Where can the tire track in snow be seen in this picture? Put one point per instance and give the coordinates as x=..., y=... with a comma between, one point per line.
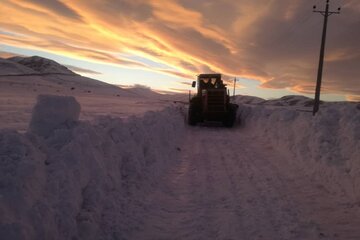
x=227, y=186
x=249, y=188
x=266, y=202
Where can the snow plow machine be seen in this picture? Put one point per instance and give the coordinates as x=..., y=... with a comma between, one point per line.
x=212, y=102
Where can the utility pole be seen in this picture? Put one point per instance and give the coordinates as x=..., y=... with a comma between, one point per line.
x=326, y=14
x=234, y=87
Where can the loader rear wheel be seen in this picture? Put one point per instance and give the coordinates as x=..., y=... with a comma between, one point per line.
x=192, y=116
x=230, y=117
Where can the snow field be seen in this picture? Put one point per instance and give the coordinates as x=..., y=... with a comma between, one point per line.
x=85, y=180
x=326, y=147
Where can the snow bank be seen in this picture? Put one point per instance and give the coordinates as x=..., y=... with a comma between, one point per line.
x=87, y=181
x=326, y=147
x=52, y=112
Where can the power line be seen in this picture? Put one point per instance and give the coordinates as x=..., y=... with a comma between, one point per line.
x=289, y=32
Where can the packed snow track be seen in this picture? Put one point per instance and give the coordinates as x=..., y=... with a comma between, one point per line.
x=230, y=185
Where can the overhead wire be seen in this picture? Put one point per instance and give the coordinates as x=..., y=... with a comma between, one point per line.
x=289, y=33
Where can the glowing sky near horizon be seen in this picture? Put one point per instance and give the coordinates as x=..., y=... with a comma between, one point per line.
x=272, y=47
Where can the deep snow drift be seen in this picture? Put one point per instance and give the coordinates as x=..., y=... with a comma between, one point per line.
x=326, y=147
x=53, y=112
x=82, y=180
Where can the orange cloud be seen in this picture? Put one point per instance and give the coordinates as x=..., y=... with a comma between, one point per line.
x=353, y=98
x=275, y=42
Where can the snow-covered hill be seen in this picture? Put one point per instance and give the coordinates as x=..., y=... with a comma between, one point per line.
x=290, y=100
x=22, y=79
x=142, y=91
x=42, y=65
x=8, y=67
x=37, y=75
x=35, y=70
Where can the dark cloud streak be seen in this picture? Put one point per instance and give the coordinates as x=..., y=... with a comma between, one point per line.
x=82, y=70
x=58, y=7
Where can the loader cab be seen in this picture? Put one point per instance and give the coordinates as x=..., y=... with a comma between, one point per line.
x=208, y=81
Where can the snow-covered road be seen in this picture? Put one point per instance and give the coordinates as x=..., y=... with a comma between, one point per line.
x=231, y=185
x=279, y=175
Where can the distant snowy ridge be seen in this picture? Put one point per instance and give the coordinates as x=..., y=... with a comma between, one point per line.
x=289, y=100
x=326, y=146
x=42, y=65
x=8, y=67
x=84, y=180
x=42, y=75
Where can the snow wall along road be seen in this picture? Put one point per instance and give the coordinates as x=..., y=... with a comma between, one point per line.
x=67, y=179
x=326, y=147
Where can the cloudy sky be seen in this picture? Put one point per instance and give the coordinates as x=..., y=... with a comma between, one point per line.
x=271, y=46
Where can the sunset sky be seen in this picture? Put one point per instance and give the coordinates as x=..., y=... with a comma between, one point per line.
x=272, y=46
